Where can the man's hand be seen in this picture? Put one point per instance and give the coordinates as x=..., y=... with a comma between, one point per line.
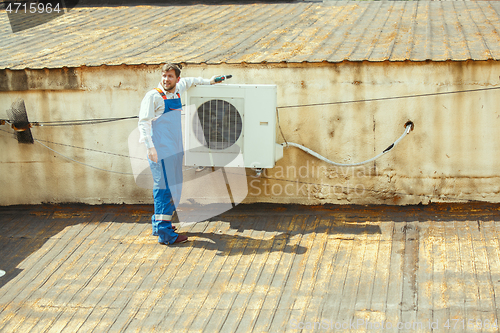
x=212, y=79
x=152, y=155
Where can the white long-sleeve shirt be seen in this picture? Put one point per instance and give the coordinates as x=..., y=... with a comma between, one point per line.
x=153, y=106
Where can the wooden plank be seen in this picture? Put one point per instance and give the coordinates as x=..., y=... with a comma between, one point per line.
x=153, y=308
x=220, y=234
x=180, y=293
x=274, y=266
x=79, y=277
x=425, y=272
x=209, y=314
x=57, y=233
x=252, y=279
x=145, y=278
x=315, y=245
x=410, y=262
x=335, y=290
x=490, y=234
x=53, y=303
x=82, y=268
x=189, y=288
x=454, y=277
x=229, y=290
x=122, y=290
x=395, y=283
x=228, y=242
x=61, y=227
x=246, y=323
x=291, y=267
x=26, y=238
x=19, y=224
x=349, y=293
x=325, y=270
x=440, y=299
x=151, y=287
x=35, y=280
x=487, y=302
x=254, y=301
x=321, y=270
x=291, y=297
x=363, y=314
x=382, y=270
x=34, y=226
x=67, y=323
x=471, y=288
x=30, y=261
x=368, y=272
x=70, y=272
x=8, y=221
x=89, y=293
x=409, y=288
x=279, y=287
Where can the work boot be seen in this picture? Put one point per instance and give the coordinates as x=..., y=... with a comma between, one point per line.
x=180, y=239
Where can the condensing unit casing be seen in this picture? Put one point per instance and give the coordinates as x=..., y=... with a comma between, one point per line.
x=231, y=125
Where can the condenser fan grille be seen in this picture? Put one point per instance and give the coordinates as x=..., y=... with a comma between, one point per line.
x=218, y=124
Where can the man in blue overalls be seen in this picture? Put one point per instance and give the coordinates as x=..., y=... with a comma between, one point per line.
x=160, y=129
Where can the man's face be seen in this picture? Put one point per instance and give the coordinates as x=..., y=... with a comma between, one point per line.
x=169, y=80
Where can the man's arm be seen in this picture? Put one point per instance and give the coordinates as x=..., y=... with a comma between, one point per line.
x=186, y=82
x=146, y=114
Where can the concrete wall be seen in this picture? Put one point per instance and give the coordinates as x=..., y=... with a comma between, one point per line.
x=452, y=154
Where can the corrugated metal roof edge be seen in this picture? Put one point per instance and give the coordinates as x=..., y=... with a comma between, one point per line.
x=281, y=63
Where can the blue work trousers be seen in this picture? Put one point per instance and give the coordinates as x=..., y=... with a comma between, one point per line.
x=164, y=205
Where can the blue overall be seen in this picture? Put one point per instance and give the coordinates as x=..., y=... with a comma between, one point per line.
x=167, y=173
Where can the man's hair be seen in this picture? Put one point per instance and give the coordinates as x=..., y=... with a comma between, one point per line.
x=168, y=67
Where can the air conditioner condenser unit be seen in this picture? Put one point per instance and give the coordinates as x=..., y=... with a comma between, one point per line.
x=231, y=125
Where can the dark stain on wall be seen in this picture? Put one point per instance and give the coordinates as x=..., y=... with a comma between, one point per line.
x=39, y=79
x=13, y=80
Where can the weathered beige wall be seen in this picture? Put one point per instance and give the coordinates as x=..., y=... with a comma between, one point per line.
x=452, y=154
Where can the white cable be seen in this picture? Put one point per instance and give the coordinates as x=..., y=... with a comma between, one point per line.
x=94, y=167
x=313, y=153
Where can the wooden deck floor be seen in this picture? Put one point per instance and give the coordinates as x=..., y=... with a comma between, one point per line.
x=256, y=268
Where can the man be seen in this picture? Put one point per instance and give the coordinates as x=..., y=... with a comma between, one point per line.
x=160, y=130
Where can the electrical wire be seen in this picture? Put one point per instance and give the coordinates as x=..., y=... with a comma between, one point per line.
x=388, y=98
x=93, y=150
x=91, y=166
x=279, y=125
x=81, y=121
x=76, y=122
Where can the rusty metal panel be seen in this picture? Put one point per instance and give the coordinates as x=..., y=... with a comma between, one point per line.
x=333, y=31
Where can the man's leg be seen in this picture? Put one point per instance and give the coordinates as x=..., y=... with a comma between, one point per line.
x=155, y=227
x=164, y=206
